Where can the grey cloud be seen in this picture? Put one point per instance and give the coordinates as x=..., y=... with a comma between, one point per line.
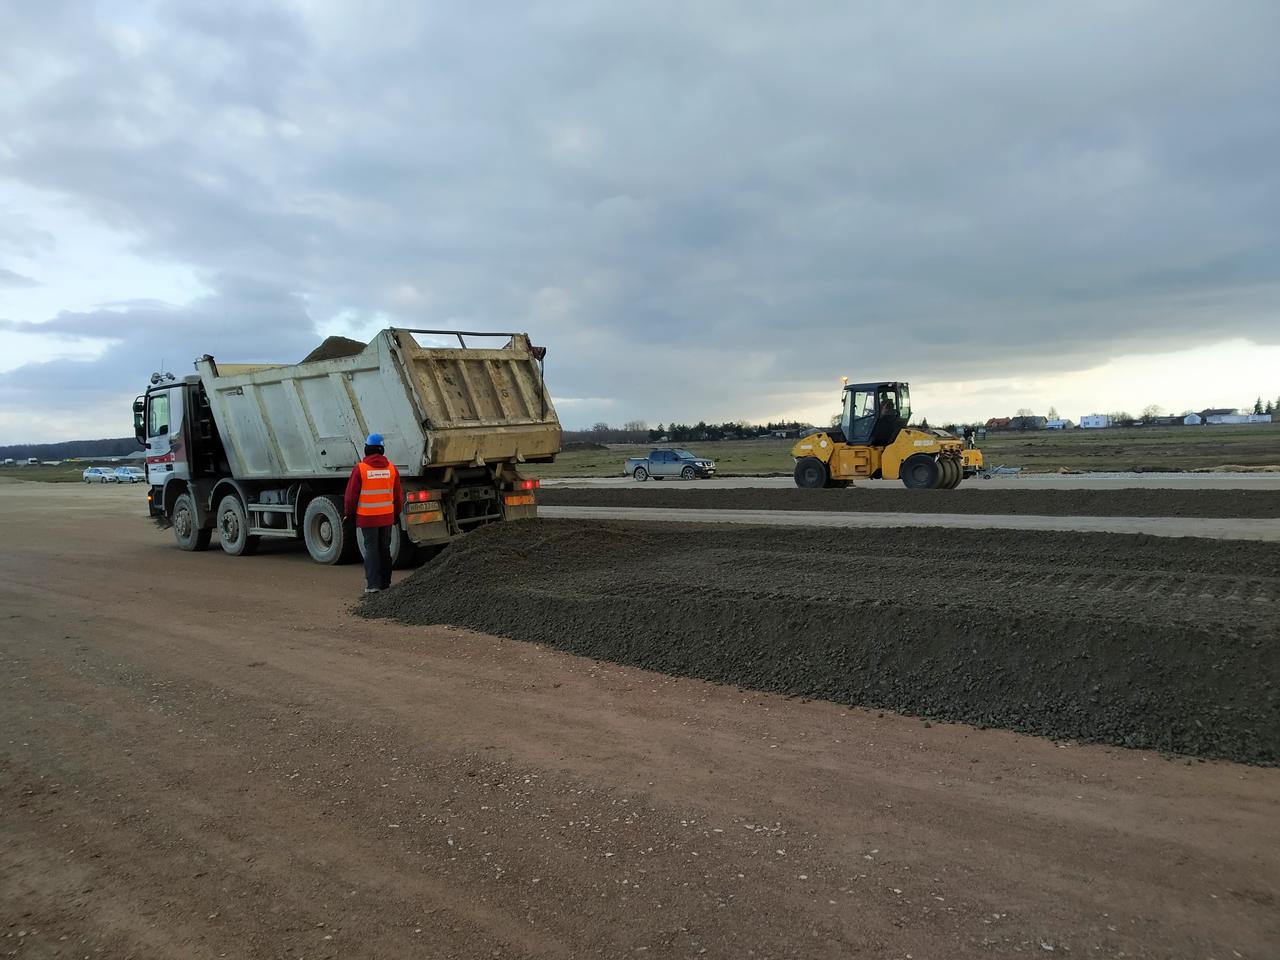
x=9, y=278
x=694, y=205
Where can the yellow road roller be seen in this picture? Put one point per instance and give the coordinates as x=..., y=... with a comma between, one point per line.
x=874, y=442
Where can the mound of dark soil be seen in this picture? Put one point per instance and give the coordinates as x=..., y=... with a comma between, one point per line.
x=893, y=499
x=334, y=348
x=1137, y=641
x=573, y=445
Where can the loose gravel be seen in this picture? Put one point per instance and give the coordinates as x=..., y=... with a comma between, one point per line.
x=975, y=500
x=1127, y=640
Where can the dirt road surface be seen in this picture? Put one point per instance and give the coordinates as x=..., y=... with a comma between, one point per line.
x=203, y=756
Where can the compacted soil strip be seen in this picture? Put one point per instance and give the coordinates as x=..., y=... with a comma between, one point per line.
x=1129, y=640
x=1042, y=503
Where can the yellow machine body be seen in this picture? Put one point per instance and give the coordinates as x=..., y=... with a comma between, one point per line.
x=873, y=442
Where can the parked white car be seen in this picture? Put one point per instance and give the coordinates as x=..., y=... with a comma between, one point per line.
x=99, y=475
x=130, y=475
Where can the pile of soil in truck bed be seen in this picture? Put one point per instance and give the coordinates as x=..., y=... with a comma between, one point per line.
x=1136, y=641
x=897, y=499
x=335, y=348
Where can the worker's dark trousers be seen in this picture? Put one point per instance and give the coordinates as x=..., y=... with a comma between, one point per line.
x=377, y=556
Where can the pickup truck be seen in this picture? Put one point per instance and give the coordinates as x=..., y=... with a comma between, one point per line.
x=669, y=463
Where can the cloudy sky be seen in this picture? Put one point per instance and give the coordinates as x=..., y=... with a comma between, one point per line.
x=705, y=210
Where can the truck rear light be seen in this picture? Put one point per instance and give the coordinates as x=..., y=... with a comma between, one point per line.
x=526, y=485
x=422, y=496
x=518, y=501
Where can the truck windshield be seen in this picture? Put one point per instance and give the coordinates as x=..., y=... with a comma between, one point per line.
x=685, y=455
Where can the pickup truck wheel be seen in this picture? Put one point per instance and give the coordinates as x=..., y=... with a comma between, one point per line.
x=329, y=540
x=185, y=530
x=688, y=473
x=641, y=474
x=233, y=528
x=811, y=474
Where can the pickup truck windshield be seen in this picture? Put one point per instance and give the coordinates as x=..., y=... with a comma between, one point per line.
x=685, y=455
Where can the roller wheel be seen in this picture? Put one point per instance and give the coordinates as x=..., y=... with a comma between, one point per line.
x=950, y=470
x=641, y=474
x=811, y=474
x=186, y=528
x=233, y=528
x=921, y=472
x=329, y=540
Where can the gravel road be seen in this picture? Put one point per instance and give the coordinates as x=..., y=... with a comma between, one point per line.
x=1234, y=504
x=206, y=757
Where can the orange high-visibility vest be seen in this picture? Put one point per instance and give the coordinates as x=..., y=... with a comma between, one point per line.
x=377, y=491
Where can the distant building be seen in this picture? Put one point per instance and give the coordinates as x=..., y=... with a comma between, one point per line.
x=1193, y=420
x=1206, y=415
x=1058, y=425
x=1094, y=421
x=1027, y=423
x=1227, y=418
x=999, y=423
x=1164, y=421
x=1259, y=418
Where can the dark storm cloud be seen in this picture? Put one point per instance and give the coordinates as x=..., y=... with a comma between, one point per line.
x=702, y=208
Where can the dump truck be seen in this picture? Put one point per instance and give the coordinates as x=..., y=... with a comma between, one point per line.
x=261, y=451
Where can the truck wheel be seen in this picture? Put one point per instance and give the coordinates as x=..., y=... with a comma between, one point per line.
x=955, y=473
x=688, y=473
x=641, y=474
x=921, y=472
x=185, y=529
x=328, y=539
x=233, y=528
x=811, y=474
x=404, y=552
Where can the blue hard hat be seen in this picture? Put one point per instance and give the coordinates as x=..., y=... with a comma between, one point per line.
x=374, y=440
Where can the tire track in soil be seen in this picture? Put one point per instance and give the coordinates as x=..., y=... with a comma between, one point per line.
x=1133, y=641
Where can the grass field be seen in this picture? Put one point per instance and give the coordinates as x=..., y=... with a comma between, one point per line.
x=1253, y=446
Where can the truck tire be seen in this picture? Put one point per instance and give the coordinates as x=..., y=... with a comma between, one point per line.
x=921, y=472
x=641, y=474
x=329, y=540
x=688, y=473
x=811, y=473
x=233, y=528
x=404, y=552
x=186, y=528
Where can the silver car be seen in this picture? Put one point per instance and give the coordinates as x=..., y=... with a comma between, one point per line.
x=98, y=475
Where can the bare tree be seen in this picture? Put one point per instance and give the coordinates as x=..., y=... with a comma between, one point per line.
x=1151, y=411
x=635, y=425
x=1026, y=412
x=1053, y=413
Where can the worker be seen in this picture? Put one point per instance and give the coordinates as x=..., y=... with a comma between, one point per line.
x=968, y=436
x=375, y=498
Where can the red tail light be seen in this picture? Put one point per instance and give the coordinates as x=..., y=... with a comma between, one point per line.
x=527, y=485
x=422, y=496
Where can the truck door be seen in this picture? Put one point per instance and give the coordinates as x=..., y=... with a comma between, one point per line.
x=166, y=451
x=666, y=464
